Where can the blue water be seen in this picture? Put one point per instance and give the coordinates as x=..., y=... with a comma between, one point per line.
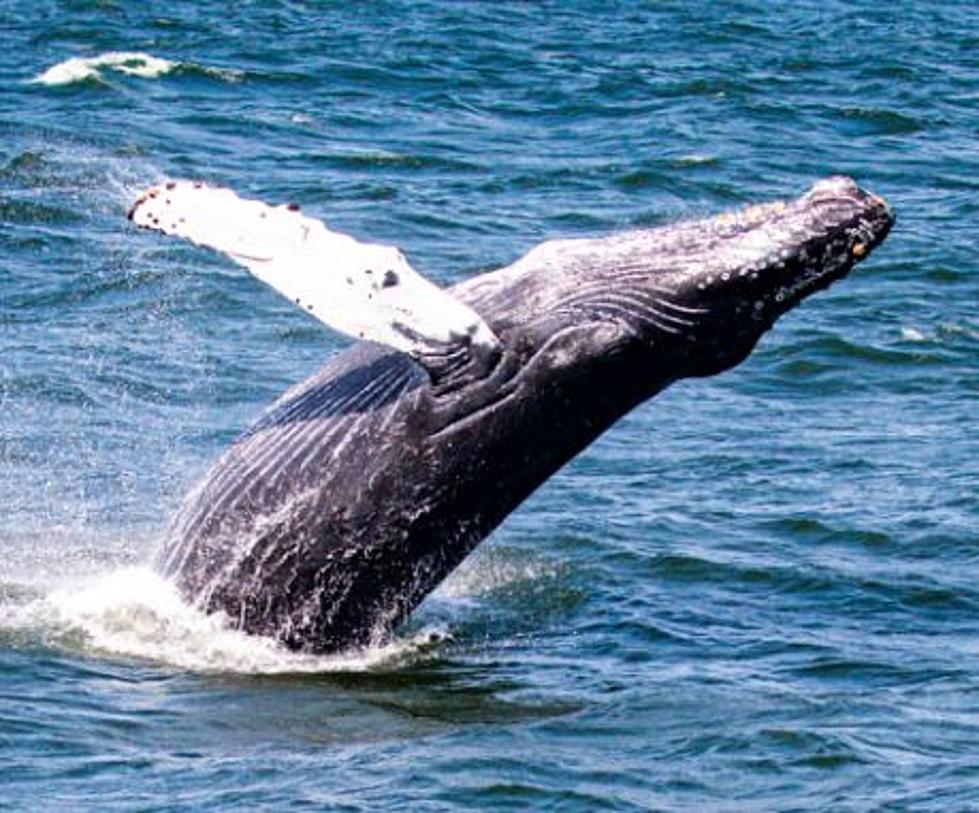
x=757, y=592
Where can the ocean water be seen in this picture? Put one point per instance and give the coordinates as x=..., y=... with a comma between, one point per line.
x=759, y=591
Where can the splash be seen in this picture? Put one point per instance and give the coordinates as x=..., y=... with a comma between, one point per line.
x=134, y=613
x=131, y=63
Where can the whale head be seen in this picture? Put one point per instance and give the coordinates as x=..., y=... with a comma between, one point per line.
x=720, y=283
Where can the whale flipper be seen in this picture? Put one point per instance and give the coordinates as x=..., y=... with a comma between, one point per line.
x=365, y=290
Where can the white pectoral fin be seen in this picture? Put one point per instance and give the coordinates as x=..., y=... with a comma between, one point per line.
x=365, y=290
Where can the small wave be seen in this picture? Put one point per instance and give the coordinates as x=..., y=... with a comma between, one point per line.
x=133, y=612
x=131, y=63
x=695, y=159
x=495, y=569
x=51, y=177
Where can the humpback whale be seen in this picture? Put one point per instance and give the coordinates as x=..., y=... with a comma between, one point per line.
x=328, y=520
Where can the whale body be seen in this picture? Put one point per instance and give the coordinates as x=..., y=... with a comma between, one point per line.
x=362, y=487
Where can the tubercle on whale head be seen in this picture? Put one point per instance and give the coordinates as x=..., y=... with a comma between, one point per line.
x=749, y=268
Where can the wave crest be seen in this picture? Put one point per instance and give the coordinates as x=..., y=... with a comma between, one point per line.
x=131, y=63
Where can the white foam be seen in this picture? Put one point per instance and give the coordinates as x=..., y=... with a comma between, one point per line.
x=131, y=63
x=911, y=334
x=133, y=612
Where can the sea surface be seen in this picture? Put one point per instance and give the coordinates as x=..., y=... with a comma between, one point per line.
x=758, y=591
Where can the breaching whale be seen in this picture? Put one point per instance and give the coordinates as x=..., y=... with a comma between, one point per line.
x=362, y=487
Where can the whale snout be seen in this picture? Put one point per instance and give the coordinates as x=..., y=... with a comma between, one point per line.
x=844, y=188
x=840, y=196
x=757, y=264
x=841, y=223
x=800, y=247
x=834, y=187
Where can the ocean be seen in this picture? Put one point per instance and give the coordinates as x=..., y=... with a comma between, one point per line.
x=758, y=591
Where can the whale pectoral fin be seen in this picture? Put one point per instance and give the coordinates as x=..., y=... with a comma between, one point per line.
x=365, y=290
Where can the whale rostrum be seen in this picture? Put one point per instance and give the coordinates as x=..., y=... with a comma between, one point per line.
x=361, y=488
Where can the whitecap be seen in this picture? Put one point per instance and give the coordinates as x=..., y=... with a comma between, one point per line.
x=131, y=63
